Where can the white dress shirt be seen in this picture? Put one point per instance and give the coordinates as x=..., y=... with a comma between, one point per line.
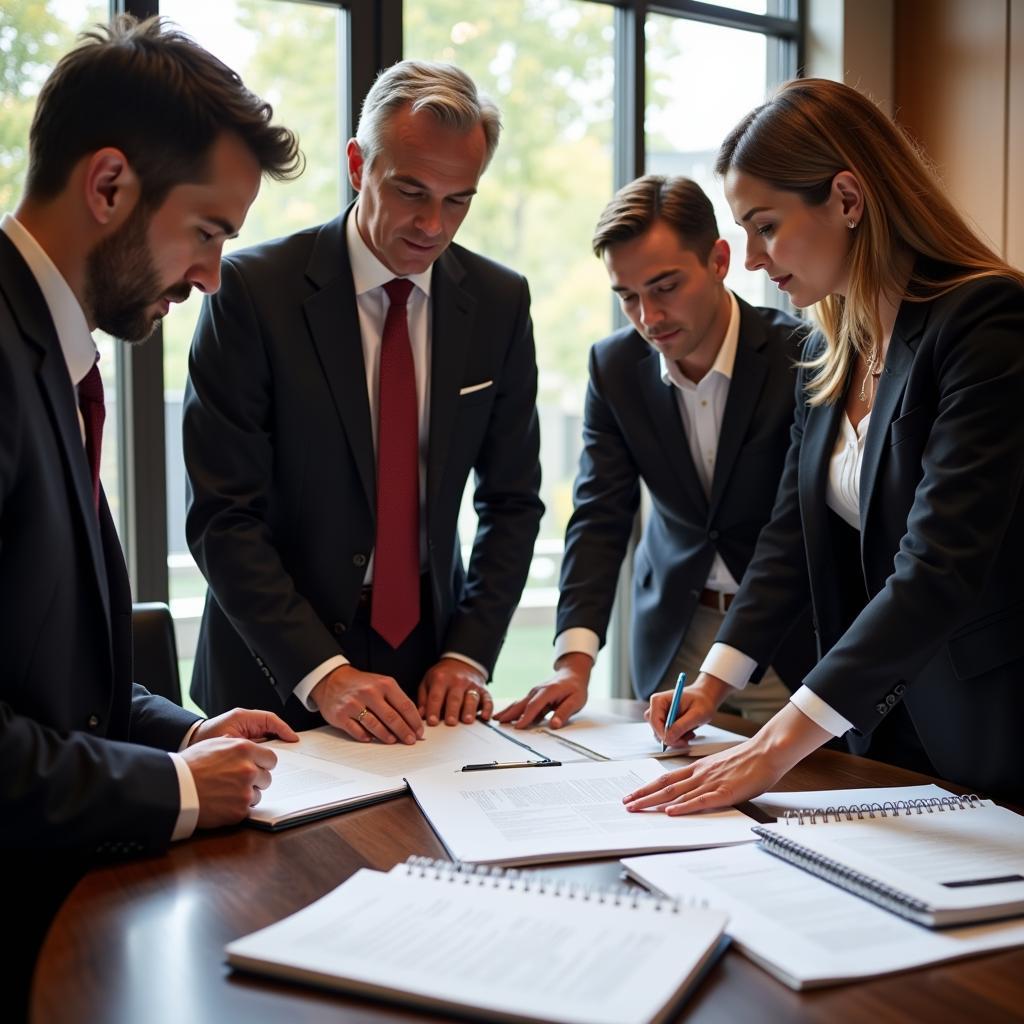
x=369, y=276
x=701, y=408
x=80, y=355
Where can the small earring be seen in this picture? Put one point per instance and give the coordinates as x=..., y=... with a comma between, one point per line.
x=851, y=224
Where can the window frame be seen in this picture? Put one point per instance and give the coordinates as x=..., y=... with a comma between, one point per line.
x=375, y=42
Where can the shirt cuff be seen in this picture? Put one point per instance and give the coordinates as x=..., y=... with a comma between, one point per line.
x=729, y=665
x=188, y=814
x=819, y=712
x=310, y=679
x=468, y=661
x=577, y=640
x=191, y=732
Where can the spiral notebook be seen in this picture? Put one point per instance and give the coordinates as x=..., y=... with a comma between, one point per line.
x=494, y=946
x=805, y=931
x=327, y=772
x=937, y=861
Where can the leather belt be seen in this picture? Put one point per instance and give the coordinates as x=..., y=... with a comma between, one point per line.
x=716, y=599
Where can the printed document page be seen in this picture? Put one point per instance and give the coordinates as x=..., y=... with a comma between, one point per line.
x=328, y=770
x=523, y=954
x=527, y=815
x=805, y=930
x=623, y=741
x=462, y=744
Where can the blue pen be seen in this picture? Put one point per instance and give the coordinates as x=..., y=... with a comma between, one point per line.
x=673, y=708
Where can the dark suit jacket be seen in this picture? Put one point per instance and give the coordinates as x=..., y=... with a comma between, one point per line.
x=941, y=543
x=82, y=772
x=632, y=431
x=281, y=465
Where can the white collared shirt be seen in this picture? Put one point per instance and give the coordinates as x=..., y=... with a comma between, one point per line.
x=80, y=355
x=701, y=408
x=369, y=276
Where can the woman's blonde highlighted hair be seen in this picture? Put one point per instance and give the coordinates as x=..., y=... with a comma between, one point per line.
x=798, y=142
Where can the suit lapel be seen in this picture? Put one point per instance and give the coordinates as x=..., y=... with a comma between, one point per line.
x=748, y=374
x=333, y=319
x=891, y=385
x=663, y=407
x=454, y=311
x=29, y=308
x=820, y=428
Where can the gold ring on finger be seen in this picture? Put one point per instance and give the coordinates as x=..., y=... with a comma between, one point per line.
x=362, y=714
x=472, y=693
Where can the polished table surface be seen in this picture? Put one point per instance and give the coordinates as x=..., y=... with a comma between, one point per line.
x=143, y=941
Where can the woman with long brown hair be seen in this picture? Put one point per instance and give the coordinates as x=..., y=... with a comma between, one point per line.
x=899, y=516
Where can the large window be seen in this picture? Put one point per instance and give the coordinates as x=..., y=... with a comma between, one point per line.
x=294, y=56
x=33, y=35
x=593, y=92
x=701, y=79
x=549, y=64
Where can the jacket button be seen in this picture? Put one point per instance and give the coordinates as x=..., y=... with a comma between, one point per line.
x=93, y=721
x=713, y=535
x=339, y=628
x=359, y=560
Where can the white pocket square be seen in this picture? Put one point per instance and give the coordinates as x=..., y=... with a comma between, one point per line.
x=475, y=387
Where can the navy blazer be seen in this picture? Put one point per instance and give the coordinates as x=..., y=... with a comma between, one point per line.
x=81, y=764
x=941, y=541
x=279, y=451
x=632, y=431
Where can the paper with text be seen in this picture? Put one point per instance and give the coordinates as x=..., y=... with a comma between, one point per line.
x=801, y=928
x=527, y=815
x=518, y=953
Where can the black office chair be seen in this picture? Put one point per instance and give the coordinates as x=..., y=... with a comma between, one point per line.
x=155, y=652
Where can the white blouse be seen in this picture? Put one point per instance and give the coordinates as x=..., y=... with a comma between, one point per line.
x=842, y=493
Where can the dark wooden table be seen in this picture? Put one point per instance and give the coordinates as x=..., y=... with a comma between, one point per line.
x=143, y=942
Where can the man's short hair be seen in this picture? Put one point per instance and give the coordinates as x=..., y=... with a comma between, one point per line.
x=678, y=201
x=152, y=92
x=443, y=89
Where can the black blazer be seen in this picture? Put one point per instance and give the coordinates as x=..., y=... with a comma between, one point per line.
x=280, y=457
x=81, y=764
x=941, y=543
x=631, y=432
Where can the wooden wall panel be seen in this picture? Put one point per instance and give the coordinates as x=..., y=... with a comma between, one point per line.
x=1015, y=153
x=950, y=84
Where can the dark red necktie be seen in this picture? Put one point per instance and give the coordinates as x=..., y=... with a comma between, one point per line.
x=90, y=402
x=396, y=558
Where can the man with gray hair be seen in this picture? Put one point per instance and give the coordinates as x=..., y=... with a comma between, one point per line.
x=343, y=385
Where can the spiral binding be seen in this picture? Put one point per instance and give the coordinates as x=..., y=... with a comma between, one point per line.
x=888, y=809
x=511, y=879
x=846, y=878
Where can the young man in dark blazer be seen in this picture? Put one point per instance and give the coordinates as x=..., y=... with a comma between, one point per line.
x=326, y=483
x=694, y=400
x=125, y=210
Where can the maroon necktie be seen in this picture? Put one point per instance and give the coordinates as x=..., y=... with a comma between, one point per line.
x=90, y=402
x=396, y=559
